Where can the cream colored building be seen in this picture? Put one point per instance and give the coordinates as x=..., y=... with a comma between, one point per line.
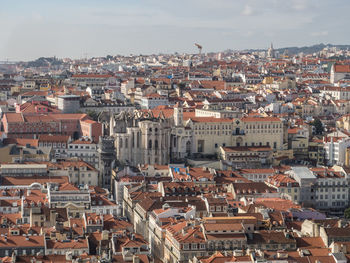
x=263, y=131
x=143, y=138
x=344, y=122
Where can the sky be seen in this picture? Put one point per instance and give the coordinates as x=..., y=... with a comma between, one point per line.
x=76, y=28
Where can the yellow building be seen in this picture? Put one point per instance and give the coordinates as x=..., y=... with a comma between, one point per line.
x=316, y=152
x=300, y=146
x=45, y=86
x=285, y=185
x=347, y=157
x=209, y=133
x=263, y=131
x=344, y=122
x=268, y=80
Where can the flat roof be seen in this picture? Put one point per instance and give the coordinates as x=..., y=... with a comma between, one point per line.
x=68, y=96
x=303, y=172
x=23, y=166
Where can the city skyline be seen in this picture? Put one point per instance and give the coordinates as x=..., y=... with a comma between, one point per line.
x=99, y=28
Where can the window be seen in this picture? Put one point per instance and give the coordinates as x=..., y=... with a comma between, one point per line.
x=200, y=146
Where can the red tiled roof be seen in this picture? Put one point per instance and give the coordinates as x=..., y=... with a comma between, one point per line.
x=342, y=68
x=91, y=76
x=71, y=244
x=20, y=241
x=28, y=180
x=260, y=119
x=53, y=138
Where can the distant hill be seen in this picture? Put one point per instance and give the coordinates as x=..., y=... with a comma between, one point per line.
x=305, y=49
x=43, y=62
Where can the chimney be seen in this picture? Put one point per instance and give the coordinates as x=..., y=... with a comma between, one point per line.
x=135, y=259
x=340, y=223
x=105, y=235
x=69, y=256
x=13, y=257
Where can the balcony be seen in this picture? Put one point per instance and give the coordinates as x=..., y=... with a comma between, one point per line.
x=238, y=132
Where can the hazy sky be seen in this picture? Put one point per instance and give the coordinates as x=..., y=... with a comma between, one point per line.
x=74, y=28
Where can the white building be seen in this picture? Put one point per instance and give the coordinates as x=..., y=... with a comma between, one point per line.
x=339, y=72
x=338, y=93
x=79, y=172
x=331, y=190
x=85, y=150
x=103, y=206
x=335, y=145
x=153, y=100
x=68, y=103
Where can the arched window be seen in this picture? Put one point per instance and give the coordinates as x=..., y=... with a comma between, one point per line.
x=156, y=144
x=126, y=143
x=120, y=143
x=150, y=144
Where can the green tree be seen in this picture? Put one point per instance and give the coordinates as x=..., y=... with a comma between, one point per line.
x=347, y=213
x=182, y=85
x=92, y=114
x=318, y=126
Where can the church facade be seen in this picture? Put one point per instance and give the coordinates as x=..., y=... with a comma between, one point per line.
x=142, y=138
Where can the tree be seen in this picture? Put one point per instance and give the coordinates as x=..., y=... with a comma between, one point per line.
x=318, y=126
x=347, y=213
x=93, y=115
x=181, y=85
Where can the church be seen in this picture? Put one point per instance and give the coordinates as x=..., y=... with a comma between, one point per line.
x=164, y=135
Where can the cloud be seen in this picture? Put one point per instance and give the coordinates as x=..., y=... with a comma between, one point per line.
x=247, y=11
x=152, y=26
x=248, y=33
x=299, y=5
x=319, y=34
